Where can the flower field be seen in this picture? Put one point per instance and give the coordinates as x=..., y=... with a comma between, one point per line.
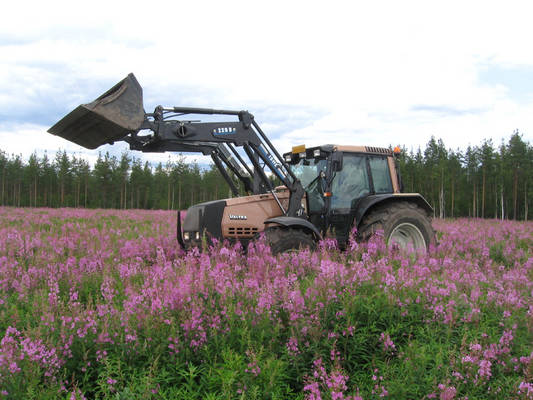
x=103, y=304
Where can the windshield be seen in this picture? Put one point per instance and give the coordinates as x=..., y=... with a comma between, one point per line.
x=307, y=170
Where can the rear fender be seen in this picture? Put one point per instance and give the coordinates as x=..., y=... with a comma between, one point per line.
x=367, y=203
x=298, y=223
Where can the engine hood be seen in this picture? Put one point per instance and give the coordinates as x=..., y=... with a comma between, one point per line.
x=239, y=218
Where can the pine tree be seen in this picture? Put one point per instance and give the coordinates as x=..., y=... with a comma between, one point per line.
x=516, y=161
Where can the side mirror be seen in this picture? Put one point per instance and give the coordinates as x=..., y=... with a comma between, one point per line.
x=336, y=161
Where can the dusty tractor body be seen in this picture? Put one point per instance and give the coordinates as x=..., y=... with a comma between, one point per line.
x=323, y=190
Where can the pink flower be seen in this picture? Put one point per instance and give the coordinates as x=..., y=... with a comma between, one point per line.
x=388, y=344
x=292, y=346
x=14, y=368
x=526, y=388
x=484, y=369
x=447, y=392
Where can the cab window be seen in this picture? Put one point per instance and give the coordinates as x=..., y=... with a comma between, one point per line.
x=351, y=183
x=380, y=174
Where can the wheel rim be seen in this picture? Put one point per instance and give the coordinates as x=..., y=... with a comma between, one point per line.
x=407, y=236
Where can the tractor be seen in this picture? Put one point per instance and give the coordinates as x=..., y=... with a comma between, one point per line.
x=295, y=199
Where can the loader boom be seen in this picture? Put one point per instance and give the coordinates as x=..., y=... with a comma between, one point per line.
x=223, y=138
x=118, y=115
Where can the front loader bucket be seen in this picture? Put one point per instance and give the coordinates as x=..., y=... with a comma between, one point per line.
x=112, y=116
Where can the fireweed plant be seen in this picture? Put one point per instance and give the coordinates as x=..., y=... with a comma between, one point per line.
x=103, y=304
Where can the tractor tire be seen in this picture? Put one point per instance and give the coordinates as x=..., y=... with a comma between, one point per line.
x=403, y=223
x=283, y=240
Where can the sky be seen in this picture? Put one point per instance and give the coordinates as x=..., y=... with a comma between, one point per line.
x=374, y=73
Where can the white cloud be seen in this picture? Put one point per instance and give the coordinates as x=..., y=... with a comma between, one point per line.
x=376, y=72
x=26, y=138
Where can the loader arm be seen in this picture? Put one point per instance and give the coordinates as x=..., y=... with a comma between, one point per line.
x=118, y=115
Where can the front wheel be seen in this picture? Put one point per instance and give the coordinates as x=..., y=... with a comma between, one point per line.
x=283, y=240
x=404, y=224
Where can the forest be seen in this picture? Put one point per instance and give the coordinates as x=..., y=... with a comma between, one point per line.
x=485, y=181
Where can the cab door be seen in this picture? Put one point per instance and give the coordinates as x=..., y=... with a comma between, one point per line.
x=362, y=175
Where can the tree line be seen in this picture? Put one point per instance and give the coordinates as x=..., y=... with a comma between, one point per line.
x=113, y=182
x=484, y=181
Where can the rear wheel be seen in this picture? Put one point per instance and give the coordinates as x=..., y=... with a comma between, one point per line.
x=403, y=224
x=283, y=240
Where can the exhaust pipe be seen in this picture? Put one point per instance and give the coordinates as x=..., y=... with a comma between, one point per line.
x=112, y=116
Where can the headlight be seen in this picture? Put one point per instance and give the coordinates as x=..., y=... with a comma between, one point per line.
x=288, y=158
x=186, y=235
x=302, y=155
x=316, y=153
x=197, y=236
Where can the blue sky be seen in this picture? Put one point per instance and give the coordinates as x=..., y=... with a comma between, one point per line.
x=376, y=73
x=516, y=80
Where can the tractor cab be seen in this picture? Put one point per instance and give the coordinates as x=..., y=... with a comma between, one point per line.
x=338, y=178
